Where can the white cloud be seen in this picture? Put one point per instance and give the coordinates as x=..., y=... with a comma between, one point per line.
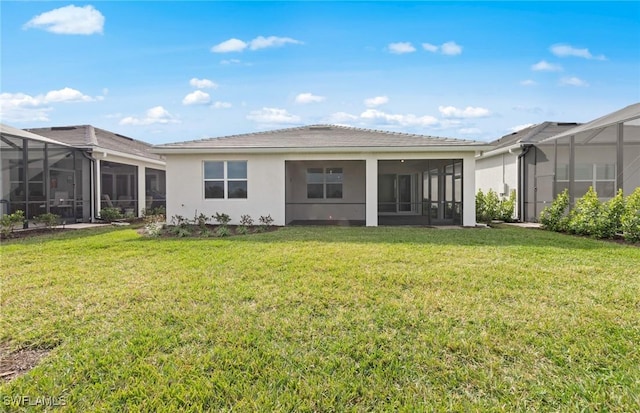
x=230, y=62
x=157, y=114
x=468, y=112
x=520, y=127
x=430, y=47
x=69, y=20
x=470, y=131
x=67, y=95
x=197, y=97
x=341, y=118
x=451, y=49
x=566, y=50
x=222, y=105
x=401, y=48
x=231, y=45
x=309, y=98
x=262, y=42
x=203, y=83
x=573, y=81
x=270, y=116
x=544, y=66
x=376, y=101
x=380, y=117
x=528, y=82
x=21, y=107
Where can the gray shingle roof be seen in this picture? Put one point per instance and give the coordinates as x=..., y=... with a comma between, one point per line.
x=319, y=136
x=89, y=137
x=532, y=134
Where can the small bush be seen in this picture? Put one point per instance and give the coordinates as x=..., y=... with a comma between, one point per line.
x=153, y=229
x=246, y=222
x=110, y=214
x=49, y=220
x=223, y=231
x=222, y=219
x=585, y=218
x=491, y=207
x=630, y=220
x=8, y=222
x=201, y=220
x=507, y=207
x=265, y=223
x=154, y=211
x=554, y=217
x=611, y=216
x=179, y=221
x=480, y=206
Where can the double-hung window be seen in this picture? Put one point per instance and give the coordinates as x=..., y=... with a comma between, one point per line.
x=324, y=183
x=225, y=179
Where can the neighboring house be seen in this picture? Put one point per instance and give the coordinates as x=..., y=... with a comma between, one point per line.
x=125, y=174
x=74, y=171
x=28, y=162
x=325, y=174
x=603, y=154
x=500, y=169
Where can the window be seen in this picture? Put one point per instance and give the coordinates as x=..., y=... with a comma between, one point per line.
x=324, y=183
x=225, y=179
x=602, y=177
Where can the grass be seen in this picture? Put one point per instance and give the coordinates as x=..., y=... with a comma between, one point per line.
x=325, y=319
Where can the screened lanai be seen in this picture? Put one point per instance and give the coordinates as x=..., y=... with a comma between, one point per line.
x=40, y=175
x=603, y=154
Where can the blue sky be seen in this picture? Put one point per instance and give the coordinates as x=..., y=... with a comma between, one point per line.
x=173, y=71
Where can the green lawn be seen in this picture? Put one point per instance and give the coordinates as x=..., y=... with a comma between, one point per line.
x=325, y=319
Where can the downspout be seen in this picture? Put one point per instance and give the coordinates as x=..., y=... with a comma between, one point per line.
x=521, y=181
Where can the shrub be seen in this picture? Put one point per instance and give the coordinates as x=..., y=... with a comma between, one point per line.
x=110, y=214
x=630, y=220
x=154, y=211
x=554, y=217
x=586, y=216
x=245, y=223
x=611, y=217
x=507, y=207
x=201, y=220
x=490, y=207
x=480, y=206
x=265, y=223
x=8, y=222
x=49, y=220
x=222, y=219
x=153, y=229
x=223, y=231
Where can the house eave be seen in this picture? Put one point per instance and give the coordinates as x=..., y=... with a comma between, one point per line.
x=507, y=149
x=333, y=150
x=103, y=153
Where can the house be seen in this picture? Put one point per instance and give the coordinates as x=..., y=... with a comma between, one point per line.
x=500, y=169
x=125, y=173
x=603, y=154
x=325, y=174
x=74, y=171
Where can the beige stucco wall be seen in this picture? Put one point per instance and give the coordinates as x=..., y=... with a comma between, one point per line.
x=266, y=183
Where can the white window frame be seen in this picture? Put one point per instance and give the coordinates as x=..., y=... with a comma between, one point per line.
x=325, y=172
x=225, y=178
